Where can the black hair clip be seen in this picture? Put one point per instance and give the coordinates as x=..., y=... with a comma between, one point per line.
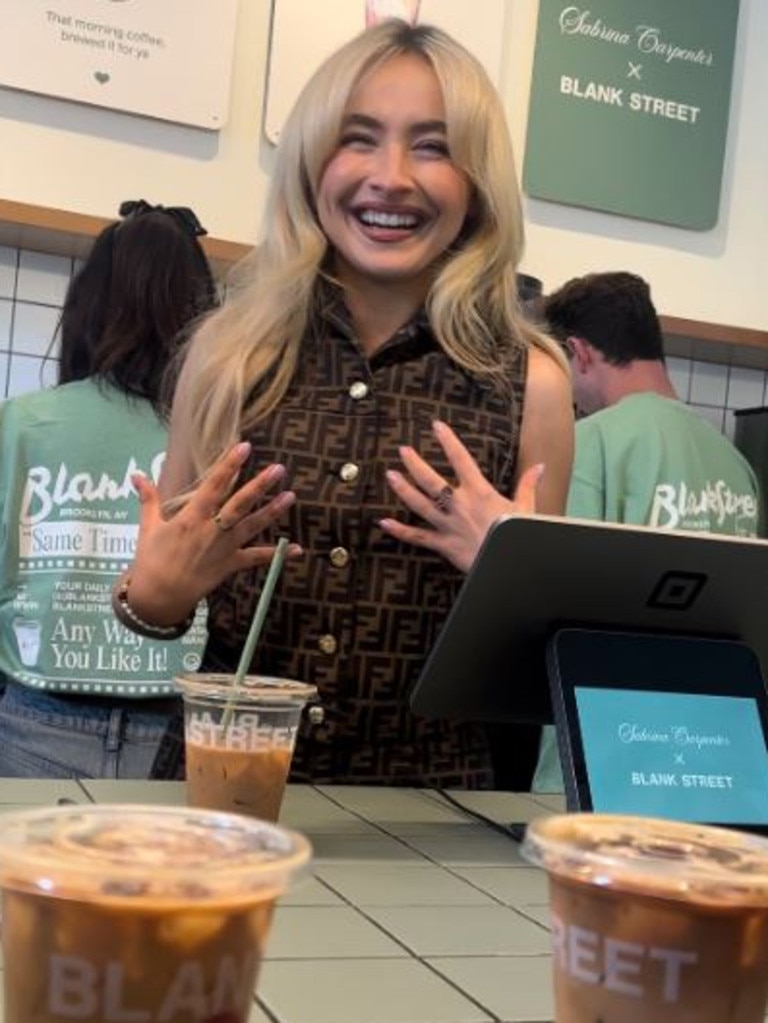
x=183, y=215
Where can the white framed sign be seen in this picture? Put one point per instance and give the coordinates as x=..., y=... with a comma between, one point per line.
x=305, y=32
x=168, y=59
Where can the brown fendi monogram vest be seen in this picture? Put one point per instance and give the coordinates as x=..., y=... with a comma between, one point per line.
x=358, y=613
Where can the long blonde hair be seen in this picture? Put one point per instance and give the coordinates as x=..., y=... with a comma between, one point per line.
x=243, y=357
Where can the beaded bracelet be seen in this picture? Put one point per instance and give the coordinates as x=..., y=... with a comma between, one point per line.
x=125, y=614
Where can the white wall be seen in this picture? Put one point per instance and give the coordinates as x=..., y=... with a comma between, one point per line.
x=60, y=154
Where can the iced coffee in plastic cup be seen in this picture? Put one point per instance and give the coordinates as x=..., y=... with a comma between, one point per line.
x=654, y=920
x=239, y=740
x=138, y=913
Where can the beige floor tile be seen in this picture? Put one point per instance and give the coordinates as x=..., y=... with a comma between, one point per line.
x=462, y=930
x=392, y=886
x=327, y=932
x=166, y=793
x=517, y=989
x=21, y=792
x=363, y=991
x=514, y=886
x=475, y=848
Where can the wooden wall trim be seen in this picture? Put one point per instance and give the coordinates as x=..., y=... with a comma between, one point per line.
x=679, y=327
x=63, y=232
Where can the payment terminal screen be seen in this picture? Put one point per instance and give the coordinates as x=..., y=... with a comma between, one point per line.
x=686, y=756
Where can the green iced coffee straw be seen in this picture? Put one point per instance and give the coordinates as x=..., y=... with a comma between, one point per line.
x=275, y=567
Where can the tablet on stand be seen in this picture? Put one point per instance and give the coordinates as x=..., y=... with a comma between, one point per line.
x=648, y=649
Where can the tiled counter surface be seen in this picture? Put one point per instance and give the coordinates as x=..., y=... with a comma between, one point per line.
x=414, y=913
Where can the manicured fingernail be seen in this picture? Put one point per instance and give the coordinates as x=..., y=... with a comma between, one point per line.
x=438, y=425
x=393, y=476
x=242, y=449
x=276, y=471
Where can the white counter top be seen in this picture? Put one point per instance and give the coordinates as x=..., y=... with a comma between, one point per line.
x=415, y=913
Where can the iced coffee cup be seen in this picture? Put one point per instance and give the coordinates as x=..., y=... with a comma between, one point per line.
x=239, y=740
x=140, y=913
x=654, y=919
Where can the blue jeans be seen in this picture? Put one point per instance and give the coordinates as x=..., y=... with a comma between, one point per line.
x=43, y=735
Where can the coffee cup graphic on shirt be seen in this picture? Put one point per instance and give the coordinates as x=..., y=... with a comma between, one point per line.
x=28, y=633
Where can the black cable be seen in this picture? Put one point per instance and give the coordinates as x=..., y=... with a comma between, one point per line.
x=514, y=830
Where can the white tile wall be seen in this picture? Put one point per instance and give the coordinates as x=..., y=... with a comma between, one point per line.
x=27, y=373
x=680, y=374
x=709, y=385
x=6, y=316
x=33, y=285
x=34, y=328
x=42, y=278
x=746, y=389
x=717, y=391
x=8, y=262
x=32, y=290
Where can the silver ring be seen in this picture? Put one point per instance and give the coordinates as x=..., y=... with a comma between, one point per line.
x=442, y=500
x=224, y=527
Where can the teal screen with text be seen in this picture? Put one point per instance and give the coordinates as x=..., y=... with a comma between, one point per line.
x=686, y=756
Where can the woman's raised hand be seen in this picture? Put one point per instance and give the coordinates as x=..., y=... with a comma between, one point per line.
x=181, y=558
x=459, y=514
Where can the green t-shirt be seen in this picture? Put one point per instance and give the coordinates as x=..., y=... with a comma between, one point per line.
x=653, y=461
x=69, y=521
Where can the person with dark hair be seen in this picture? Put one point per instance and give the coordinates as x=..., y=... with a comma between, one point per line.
x=85, y=697
x=613, y=312
x=642, y=456
x=530, y=295
x=145, y=283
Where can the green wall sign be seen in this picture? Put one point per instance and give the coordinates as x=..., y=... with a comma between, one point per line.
x=629, y=107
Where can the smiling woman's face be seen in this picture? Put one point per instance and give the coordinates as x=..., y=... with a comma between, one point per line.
x=391, y=201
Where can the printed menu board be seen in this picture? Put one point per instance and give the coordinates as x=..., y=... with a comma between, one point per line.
x=629, y=107
x=169, y=59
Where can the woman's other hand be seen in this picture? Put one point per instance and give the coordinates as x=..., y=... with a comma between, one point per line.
x=459, y=514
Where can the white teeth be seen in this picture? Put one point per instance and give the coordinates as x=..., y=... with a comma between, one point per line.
x=376, y=218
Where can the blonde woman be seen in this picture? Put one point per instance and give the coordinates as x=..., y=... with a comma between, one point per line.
x=376, y=323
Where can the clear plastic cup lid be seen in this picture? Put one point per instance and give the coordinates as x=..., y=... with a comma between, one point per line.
x=257, y=688
x=159, y=854
x=661, y=858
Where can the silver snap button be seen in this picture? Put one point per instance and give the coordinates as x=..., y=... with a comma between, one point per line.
x=328, y=644
x=339, y=557
x=316, y=714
